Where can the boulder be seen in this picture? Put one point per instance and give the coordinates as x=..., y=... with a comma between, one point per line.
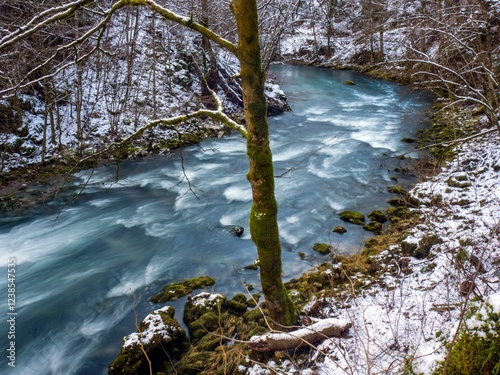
x=159, y=336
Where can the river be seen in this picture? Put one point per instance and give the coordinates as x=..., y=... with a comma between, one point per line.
x=81, y=267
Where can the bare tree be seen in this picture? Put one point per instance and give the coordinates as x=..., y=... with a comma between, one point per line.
x=456, y=53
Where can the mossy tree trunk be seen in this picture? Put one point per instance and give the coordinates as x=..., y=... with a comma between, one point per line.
x=264, y=213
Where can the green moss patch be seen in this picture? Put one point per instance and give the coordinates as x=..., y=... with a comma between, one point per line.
x=352, y=217
x=181, y=289
x=322, y=248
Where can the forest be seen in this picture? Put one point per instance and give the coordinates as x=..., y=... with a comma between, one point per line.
x=91, y=84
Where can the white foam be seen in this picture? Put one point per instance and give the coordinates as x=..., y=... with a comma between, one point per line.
x=101, y=202
x=234, y=193
x=287, y=154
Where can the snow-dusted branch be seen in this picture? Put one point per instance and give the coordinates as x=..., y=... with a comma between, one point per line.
x=184, y=21
x=38, y=22
x=216, y=115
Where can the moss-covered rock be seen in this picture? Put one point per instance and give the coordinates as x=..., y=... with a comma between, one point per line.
x=322, y=248
x=160, y=336
x=208, y=322
x=377, y=216
x=348, y=82
x=202, y=303
x=352, y=217
x=425, y=245
x=422, y=248
x=181, y=289
x=238, y=304
x=373, y=226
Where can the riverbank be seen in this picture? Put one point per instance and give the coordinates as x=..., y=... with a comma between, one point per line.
x=418, y=296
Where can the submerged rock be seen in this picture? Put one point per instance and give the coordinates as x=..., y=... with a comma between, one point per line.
x=339, y=229
x=159, y=336
x=322, y=248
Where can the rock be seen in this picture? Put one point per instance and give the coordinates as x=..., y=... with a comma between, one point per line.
x=352, y=217
x=408, y=248
x=397, y=202
x=377, y=216
x=425, y=245
x=404, y=226
x=422, y=249
x=348, y=82
x=374, y=227
x=160, y=336
x=408, y=140
x=322, y=248
x=201, y=304
x=237, y=304
x=339, y=229
x=253, y=266
x=183, y=288
x=237, y=231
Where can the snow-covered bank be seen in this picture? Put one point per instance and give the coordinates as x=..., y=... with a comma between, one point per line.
x=404, y=319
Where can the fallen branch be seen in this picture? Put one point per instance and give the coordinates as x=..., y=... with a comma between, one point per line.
x=305, y=336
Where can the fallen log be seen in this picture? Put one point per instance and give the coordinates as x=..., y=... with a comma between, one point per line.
x=308, y=335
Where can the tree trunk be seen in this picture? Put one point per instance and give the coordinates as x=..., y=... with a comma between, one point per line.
x=264, y=213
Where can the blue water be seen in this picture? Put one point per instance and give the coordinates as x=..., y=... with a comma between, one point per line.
x=81, y=266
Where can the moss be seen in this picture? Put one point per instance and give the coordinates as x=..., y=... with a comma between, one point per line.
x=183, y=288
x=322, y=248
x=396, y=214
x=352, y=217
x=477, y=347
x=377, y=216
x=201, y=304
x=159, y=348
x=208, y=322
x=397, y=189
x=237, y=304
x=374, y=227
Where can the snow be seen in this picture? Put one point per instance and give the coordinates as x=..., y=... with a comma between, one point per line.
x=155, y=327
x=414, y=314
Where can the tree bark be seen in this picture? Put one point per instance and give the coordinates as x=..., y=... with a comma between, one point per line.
x=264, y=213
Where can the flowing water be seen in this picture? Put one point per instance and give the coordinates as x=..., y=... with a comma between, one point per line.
x=81, y=268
